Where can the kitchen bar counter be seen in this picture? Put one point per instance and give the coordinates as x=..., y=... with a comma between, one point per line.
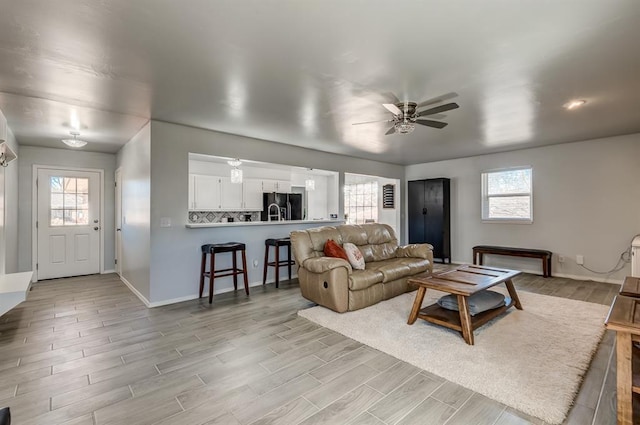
x=263, y=223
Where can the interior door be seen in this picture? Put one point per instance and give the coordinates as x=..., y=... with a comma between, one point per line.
x=68, y=223
x=118, y=213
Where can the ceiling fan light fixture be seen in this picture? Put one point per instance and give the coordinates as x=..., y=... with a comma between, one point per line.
x=574, y=104
x=404, y=127
x=75, y=142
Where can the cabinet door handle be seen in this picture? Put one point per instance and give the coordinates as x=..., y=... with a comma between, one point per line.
x=424, y=211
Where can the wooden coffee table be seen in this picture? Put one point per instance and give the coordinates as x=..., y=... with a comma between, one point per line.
x=463, y=282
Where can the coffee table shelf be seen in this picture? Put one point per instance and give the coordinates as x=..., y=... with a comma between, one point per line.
x=451, y=318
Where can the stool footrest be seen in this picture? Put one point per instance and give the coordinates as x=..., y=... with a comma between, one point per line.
x=220, y=273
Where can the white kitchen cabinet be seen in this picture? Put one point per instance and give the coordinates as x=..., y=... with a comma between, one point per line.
x=284, y=186
x=269, y=185
x=213, y=193
x=280, y=186
x=206, y=193
x=252, y=195
x=230, y=195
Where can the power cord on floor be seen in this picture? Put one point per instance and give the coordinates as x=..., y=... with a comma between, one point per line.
x=624, y=259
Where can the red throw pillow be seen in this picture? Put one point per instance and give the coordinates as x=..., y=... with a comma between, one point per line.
x=332, y=249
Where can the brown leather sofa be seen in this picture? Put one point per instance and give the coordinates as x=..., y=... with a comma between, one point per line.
x=332, y=282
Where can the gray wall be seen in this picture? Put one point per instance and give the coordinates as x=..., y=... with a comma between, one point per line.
x=30, y=156
x=9, y=211
x=133, y=160
x=11, y=207
x=175, y=251
x=586, y=200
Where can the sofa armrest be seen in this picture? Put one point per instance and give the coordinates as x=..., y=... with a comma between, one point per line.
x=422, y=250
x=324, y=264
x=325, y=281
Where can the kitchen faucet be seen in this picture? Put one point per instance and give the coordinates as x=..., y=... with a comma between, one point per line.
x=277, y=214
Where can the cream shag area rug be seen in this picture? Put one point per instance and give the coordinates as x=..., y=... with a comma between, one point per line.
x=532, y=360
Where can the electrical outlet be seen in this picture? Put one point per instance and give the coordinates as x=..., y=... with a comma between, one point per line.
x=255, y=264
x=580, y=259
x=561, y=259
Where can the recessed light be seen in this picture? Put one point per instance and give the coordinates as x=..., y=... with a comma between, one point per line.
x=574, y=104
x=75, y=142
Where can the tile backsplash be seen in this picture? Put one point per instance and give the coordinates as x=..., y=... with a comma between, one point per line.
x=218, y=216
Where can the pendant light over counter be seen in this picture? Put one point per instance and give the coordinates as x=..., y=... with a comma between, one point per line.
x=236, y=173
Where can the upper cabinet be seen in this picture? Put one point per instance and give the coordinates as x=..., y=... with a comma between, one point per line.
x=281, y=186
x=205, y=192
x=230, y=195
x=252, y=195
x=213, y=193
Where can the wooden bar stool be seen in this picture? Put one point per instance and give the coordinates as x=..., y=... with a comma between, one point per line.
x=219, y=248
x=277, y=243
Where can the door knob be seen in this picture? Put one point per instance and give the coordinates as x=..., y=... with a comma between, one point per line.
x=95, y=221
x=96, y=228
x=117, y=230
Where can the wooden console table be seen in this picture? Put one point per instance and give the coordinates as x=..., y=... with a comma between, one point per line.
x=544, y=255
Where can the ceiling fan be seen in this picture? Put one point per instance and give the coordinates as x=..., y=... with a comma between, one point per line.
x=406, y=115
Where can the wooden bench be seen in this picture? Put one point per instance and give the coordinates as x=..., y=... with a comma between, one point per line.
x=545, y=256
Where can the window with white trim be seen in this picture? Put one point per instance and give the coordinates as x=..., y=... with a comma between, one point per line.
x=361, y=202
x=507, y=195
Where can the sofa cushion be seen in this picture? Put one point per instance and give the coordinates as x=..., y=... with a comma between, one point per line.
x=353, y=233
x=362, y=279
x=320, y=235
x=416, y=265
x=332, y=249
x=355, y=256
x=391, y=269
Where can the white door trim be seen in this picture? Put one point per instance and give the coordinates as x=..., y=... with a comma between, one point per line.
x=34, y=212
x=118, y=204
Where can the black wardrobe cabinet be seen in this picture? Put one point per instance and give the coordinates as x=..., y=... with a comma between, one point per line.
x=429, y=215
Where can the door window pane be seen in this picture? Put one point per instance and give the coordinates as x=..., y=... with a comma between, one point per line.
x=56, y=201
x=69, y=201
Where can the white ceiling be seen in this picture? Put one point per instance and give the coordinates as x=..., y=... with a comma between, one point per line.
x=301, y=72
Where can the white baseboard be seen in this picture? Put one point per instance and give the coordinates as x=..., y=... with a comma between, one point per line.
x=109, y=271
x=192, y=296
x=564, y=275
x=135, y=291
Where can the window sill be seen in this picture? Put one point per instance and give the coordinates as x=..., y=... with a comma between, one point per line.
x=506, y=221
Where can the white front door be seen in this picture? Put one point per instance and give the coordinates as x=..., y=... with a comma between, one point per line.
x=68, y=223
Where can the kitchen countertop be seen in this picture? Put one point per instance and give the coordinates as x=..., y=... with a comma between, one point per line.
x=261, y=223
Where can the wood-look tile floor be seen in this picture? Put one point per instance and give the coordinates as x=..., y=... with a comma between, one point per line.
x=86, y=351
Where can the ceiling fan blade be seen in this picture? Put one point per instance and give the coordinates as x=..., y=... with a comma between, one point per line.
x=370, y=122
x=437, y=99
x=392, y=108
x=430, y=123
x=390, y=131
x=441, y=108
x=393, y=97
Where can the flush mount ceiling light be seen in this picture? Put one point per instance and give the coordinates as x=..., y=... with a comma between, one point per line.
x=75, y=142
x=574, y=104
x=236, y=173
